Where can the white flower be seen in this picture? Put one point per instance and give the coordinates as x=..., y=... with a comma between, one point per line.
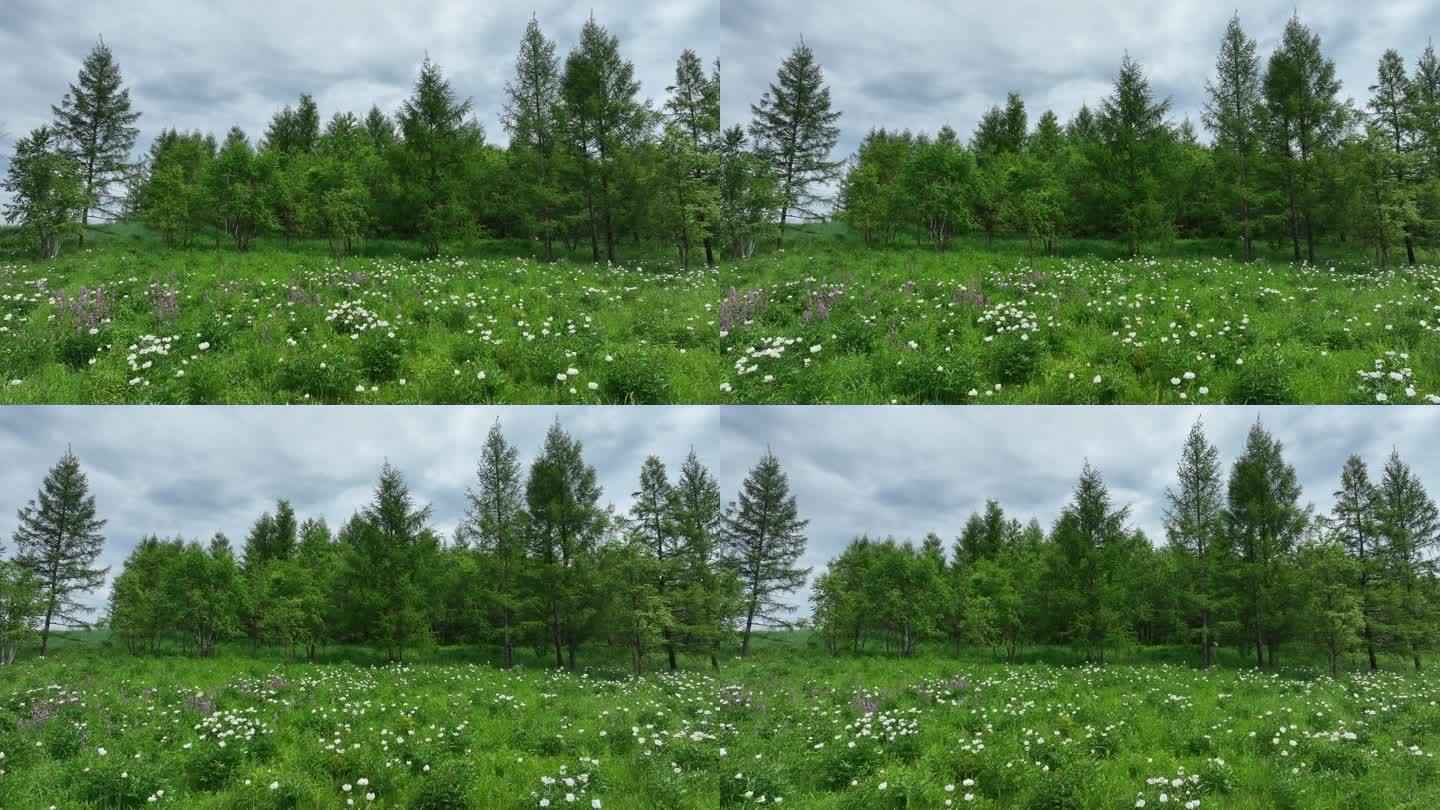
x=815, y=349
x=1096, y=380
x=274, y=785
x=204, y=346
x=593, y=386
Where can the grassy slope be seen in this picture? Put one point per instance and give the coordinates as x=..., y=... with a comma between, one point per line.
x=1034, y=734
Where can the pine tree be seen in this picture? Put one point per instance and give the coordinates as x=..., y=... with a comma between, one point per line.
x=1356, y=526
x=1264, y=521
x=1232, y=115
x=496, y=520
x=794, y=132
x=1410, y=523
x=532, y=118
x=764, y=538
x=58, y=539
x=47, y=192
x=1423, y=111
x=98, y=129
x=1193, y=526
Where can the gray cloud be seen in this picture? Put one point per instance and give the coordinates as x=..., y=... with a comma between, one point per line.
x=925, y=63
x=211, y=66
x=898, y=472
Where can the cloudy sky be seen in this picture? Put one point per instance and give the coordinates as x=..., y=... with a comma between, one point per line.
x=898, y=472
x=210, y=65
x=919, y=64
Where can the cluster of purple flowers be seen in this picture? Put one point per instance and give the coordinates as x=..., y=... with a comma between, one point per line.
x=87, y=308
x=739, y=309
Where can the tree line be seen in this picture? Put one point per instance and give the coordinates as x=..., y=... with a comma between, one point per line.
x=590, y=163
x=1288, y=160
x=537, y=561
x=1246, y=564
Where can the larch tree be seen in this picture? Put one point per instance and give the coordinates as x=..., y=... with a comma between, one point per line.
x=433, y=124
x=794, y=131
x=652, y=524
x=1390, y=115
x=97, y=127
x=764, y=539
x=1355, y=524
x=58, y=539
x=708, y=588
x=532, y=119
x=1264, y=521
x=1303, y=118
x=1134, y=135
x=690, y=156
x=496, y=521
x=1232, y=114
x=1090, y=538
x=1193, y=525
x=1410, y=523
x=47, y=194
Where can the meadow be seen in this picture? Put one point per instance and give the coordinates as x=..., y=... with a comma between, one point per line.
x=820, y=323
x=92, y=727
x=132, y=322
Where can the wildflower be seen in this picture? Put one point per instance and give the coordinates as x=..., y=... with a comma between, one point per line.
x=1096, y=380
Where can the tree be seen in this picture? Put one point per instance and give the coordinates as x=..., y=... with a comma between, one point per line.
x=432, y=123
x=653, y=529
x=1134, y=136
x=1232, y=114
x=690, y=157
x=532, y=118
x=386, y=563
x=235, y=183
x=1193, y=525
x=1264, y=521
x=58, y=539
x=566, y=524
x=1410, y=524
x=605, y=121
x=794, y=132
x=764, y=538
x=47, y=192
x=22, y=603
x=1302, y=118
x=749, y=195
x=97, y=126
x=1090, y=540
x=1356, y=527
x=1390, y=116
x=1332, y=614
x=496, y=520
x=1423, y=110
x=707, y=589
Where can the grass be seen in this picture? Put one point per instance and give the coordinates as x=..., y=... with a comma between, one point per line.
x=827, y=321
x=93, y=727
x=128, y=321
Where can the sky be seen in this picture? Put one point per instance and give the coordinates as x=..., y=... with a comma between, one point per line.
x=921, y=64
x=884, y=471
x=211, y=65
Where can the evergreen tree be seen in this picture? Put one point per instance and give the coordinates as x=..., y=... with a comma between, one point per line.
x=1090, y=540
x=764, y=537
x=1232, y=114
x=1390, y=116
x=47, y=192
x=58, y=539
x=97, y=126
x=690, y=157
x=794, y=132
x=1194, y=527
x=653, y=527
x=21, y=605
x=496, y=521
x=708, y=591
x=1332, y=613
x=749, y=195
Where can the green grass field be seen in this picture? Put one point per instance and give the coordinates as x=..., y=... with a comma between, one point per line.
x=93, y=727
x=132, y=322
x=827, y=321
